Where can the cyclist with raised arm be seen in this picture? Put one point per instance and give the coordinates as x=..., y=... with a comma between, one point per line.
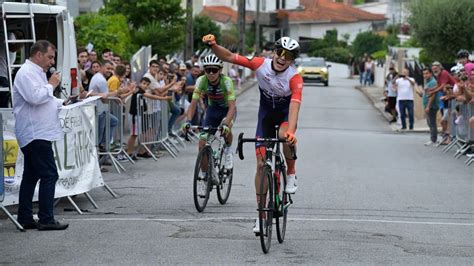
x=219, y=91
x=280, y=88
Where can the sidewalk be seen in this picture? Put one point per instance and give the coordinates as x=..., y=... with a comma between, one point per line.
x=375, y=95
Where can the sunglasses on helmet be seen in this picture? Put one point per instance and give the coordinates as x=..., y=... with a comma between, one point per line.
x=285, y=53
x=212, y=70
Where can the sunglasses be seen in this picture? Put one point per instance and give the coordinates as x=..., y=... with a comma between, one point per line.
x=212, y=70
x=287, y=54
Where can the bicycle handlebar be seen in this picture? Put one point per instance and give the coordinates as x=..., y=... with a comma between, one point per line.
x=219, y=128
x=242, y=140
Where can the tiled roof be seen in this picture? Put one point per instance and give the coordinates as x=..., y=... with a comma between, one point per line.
x=328, y=11
x=323, y=11
x=222, y=14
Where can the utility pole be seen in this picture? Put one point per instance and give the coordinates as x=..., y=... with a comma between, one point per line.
x=241, y=24
x=189, y=30
x=257, y=29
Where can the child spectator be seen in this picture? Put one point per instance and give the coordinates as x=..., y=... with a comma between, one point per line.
x=115, y=81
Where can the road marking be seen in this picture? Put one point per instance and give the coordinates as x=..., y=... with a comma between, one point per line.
x=137, y=219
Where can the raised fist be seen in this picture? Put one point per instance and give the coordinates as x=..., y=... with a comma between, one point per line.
x=209, y=39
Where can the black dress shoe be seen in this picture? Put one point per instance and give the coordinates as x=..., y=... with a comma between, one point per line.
x=53, y=226
x=30, y=225
x=144, y=155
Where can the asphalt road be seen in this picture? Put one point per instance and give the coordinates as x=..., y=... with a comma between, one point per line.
x=367, y=195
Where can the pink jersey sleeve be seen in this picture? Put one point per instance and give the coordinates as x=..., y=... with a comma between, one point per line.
x=253, y=63
x=296, y=87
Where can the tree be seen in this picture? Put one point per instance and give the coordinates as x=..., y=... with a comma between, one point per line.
x=160, y=38
x=334, y=54
x=230, y=38
x=104, y=31
x=443, y=26
x=160, y=23
x=367, y=42
x=330, y=48
x=142, y=12
x=204, y=25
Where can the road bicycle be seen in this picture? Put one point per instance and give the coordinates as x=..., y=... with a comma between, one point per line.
x=209, y=167
x=273, y=200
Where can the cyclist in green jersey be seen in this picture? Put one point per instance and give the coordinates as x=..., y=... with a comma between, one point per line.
x=218, y=89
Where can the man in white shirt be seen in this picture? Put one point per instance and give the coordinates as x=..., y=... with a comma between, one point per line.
x=404, y=86
x=37, y=125
x=98, y=85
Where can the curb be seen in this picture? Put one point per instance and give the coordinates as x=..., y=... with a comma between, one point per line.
x=380, y=106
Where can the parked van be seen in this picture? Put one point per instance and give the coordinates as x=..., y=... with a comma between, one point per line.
x=22, y=25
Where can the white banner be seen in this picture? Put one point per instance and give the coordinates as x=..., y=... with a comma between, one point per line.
x=75, y=156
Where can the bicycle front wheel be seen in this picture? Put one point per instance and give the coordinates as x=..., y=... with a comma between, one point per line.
x=265, y=209
x=225, y=184
x=202, y=178
x=281, y=202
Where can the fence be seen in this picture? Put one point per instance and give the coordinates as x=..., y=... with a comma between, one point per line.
x=76, y=157
x=109, y=143
x=461, y=124
x=152, y=121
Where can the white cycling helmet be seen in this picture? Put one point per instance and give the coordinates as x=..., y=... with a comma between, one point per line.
x=212, y=60
x=457, y=69
x=288, y=44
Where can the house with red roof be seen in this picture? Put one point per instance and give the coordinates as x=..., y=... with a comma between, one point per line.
x=299, y=19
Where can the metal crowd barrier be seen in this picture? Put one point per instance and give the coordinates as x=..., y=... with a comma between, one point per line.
x=113, y=146
x=192, y=136
x=452, y=126
x=152, y=127
x=460, y=129
x=463, y=129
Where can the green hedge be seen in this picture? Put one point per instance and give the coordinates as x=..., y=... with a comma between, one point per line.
x=334, y=54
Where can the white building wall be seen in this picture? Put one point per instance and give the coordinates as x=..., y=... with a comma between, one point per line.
x=338, y=70
x=251, y=5
x=319, y=30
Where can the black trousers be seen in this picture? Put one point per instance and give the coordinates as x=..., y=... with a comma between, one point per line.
x=39, y=165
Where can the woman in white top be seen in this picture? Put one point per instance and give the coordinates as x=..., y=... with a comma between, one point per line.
x=369, y=66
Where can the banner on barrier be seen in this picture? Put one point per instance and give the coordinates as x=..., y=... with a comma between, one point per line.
x=75, y=156
x=2, y=183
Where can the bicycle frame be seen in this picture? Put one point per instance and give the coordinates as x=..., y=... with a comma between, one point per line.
x=274, y=164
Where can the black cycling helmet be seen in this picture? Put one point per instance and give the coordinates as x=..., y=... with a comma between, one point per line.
x=288, y=44
x=463, y=53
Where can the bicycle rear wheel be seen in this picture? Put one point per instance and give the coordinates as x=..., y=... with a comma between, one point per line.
x=265, y=209
x=202, y=183
x=281, y=208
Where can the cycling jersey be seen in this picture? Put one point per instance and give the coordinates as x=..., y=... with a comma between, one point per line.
x=217, y=95
x=277, y=90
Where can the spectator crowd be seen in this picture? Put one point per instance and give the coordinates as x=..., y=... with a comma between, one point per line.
x=447, y=98
x=108, y=75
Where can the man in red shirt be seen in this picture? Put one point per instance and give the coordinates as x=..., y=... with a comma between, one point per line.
x=444, y=80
